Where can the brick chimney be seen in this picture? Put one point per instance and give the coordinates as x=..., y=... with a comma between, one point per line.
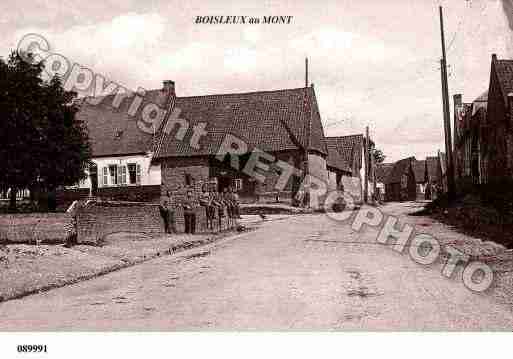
x=494, y=57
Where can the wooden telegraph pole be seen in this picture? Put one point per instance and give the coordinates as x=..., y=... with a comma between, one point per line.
x=446, y=112
x=306, y=169
x=366, y=164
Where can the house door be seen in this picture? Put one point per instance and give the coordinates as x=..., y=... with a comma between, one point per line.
x=93, y=175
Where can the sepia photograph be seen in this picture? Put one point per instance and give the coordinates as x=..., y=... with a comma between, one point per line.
x=294, y=168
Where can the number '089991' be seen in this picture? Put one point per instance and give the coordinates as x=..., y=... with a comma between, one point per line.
x=32, y=348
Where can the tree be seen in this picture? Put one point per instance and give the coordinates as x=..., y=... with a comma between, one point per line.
x=379, y=157
x=42, y=143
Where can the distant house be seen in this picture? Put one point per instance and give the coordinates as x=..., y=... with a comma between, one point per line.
x=382, y=172
x=432, y=172
x=470, y=144
x=421, y=178
x=346, y=163
x=339, y=162
x=400, y=184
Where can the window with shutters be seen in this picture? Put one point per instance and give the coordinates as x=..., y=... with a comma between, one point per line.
x=138, y=174
x=237, y=183
x=105, y=176
x=122, y=175
x=113, y=174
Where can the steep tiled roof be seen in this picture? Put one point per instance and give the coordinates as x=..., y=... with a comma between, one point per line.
x=504, y=72
x=383, y=171
x=400, y=168
x=343, y=151
x=419, y=168
x=268, y=120
x=111, y=130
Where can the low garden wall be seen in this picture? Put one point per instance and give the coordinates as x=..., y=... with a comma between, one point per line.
x=90, y=223
x=98, y=219
x=51, y=228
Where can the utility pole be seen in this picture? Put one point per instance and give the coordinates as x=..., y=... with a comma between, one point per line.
x=446, y=112
x=307, y=145
x=306, y=71
x=366, y=163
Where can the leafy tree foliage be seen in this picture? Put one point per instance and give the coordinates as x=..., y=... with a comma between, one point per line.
x=42, y=143
x=379, y=157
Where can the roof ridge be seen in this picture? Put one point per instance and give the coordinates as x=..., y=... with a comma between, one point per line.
x=345, y=136
x=207, y=95
x=243, y=93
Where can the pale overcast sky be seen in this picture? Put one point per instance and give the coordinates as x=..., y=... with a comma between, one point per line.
x=373, y=63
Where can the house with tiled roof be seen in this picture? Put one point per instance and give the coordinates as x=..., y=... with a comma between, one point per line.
x=382, y=172
x=400, y=185
x=432, y=169
x=242, y=140
x=470, y=140
x=497, y=138
x=420, y=172
x=345, y=164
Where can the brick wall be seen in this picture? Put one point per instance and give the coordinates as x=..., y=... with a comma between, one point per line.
x=98, y=219
x=101, y=218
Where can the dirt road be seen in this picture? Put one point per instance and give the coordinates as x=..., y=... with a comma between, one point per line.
x=306, y=272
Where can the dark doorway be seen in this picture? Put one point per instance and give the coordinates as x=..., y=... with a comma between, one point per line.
x=93, y=175
x=223, y=182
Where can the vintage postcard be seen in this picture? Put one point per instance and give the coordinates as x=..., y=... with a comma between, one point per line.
x=255, y=166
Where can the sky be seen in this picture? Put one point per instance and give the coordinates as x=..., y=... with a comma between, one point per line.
x=373, y=63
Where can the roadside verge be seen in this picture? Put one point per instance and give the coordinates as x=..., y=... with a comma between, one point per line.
x=29, y=269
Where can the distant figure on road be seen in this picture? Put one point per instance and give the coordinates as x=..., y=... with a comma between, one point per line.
x=205, y=200
x=189, y=213
x=167, y=211
x=226, y=195
x=220, y=205
x=164, y=213
x=236, y=201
